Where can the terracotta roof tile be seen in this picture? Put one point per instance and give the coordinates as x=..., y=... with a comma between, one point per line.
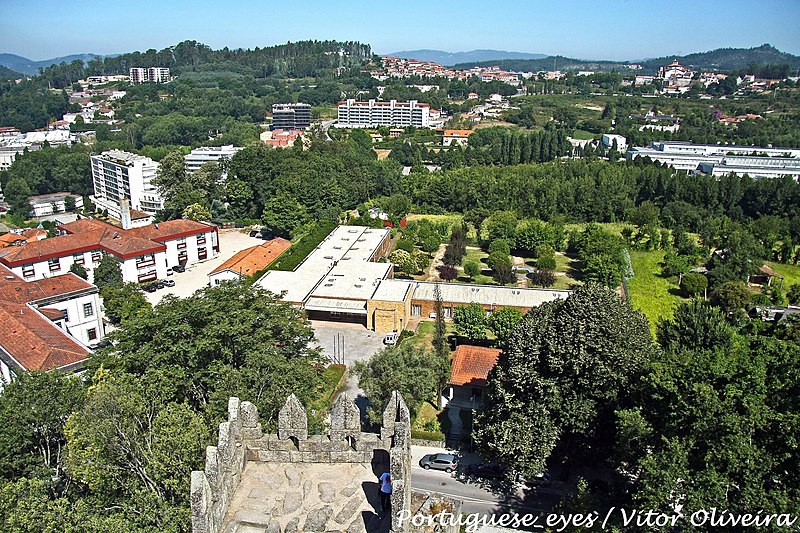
x=169, y=230
x=251, y=260
x=34, y=341
x=471, y=364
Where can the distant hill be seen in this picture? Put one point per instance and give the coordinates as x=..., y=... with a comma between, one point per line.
x=30, y=67
x=548, y=63
x=8, y=74
x=729, y=59
x=452, y=58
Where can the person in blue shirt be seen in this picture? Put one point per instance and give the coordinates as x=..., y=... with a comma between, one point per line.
x=386, y=491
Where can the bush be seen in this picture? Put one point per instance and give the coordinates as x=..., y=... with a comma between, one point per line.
x=542, y=278
x=501, y=246
x=472, y=268
x=427, y=435
x=298, y=251
x=504, y=274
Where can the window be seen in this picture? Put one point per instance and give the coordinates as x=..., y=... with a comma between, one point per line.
x=77, y=259
x=182, y=243
x=447, y=312
x=416, y=310
x=54, y=264
x=144, y=261
x=202, y=253
x=27, y=270
x=201, y=239
x=91, y=334
x=88, y=310
x=96, y=256
x=66, y=314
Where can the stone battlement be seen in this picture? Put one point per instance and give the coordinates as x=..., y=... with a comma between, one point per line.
x=241, y=440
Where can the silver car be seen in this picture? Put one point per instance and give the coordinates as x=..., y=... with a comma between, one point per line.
x=439, y=461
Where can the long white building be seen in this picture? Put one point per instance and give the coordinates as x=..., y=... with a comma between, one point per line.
x=205, y=154
x=118, y=176
x=720, y=160
x=152, y=74
x=373, y=114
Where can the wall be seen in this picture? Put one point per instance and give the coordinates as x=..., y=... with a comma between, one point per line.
x=241, y=440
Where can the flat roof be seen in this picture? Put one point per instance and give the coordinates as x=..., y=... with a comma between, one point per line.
x=355, y=281
x=488, y=294
x=393, y=290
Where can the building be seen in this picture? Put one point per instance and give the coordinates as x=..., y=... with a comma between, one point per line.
x=153, y=74
x=373, y=114
x=20, y=237
x=344, y=280
x=469, y=371
x=248, y=262
x=49, y=204
x=460, y=137
x=675, y=75
x=145, y=253
x=609, y=139
x=46, y=324
x=291, y=116
x=118, y=176
x=721, y=160
x=206, y=154
x=281, y=138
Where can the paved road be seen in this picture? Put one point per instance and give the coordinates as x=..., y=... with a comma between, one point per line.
x=480, y=496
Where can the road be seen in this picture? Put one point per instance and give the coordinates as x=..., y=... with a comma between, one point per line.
x=485, y=497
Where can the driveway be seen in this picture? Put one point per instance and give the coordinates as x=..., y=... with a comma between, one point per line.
x=231, y=241
x=348, y=343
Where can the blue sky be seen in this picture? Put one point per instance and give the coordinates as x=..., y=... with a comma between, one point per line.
x=610, y=29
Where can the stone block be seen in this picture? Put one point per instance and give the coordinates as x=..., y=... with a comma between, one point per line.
x=292, y=420
x=251, y=434
x=225, y=446
x=249, y=415
x=212, y=466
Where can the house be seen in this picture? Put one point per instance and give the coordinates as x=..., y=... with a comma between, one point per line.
x=609, y=139
x=20, y=237
x=459, y=137
x=49, y=204
x=46, y=324
x=145, y=253
x=764, y=276
x=249, y=261
x=469, y=370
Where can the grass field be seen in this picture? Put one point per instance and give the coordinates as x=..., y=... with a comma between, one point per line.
x=652, y=294
x=583, y=135
x=331, y=380
x=790, y=273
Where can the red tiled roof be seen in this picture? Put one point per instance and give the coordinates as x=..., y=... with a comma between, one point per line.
x=28, y=235
x=14, y=289
x=471, y=365
x=170, y=230
x=34, y=341
x=251, y=260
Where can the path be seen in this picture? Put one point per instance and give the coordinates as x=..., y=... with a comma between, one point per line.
x=432, y=274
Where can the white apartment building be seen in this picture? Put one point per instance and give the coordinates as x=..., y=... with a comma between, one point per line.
x=205, y=154
x=145, y=253
x=118, y=176
x=373, y=114
x=153, y=74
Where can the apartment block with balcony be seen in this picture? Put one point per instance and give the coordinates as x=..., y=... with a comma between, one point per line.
x=119, y=176
x=373, y=114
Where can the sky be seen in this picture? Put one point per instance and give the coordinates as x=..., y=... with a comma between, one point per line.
x=586, y=29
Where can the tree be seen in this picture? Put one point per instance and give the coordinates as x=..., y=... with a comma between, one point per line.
x=695, y=326
x=431, y=242
x=472, y=268
x=503, y=321
x=498, y=257
x=79, y=270
x=470, y=321
x=440, y=346
x=503, y=273
x=793, y=294
x=406, y=368
x=731, y=295
x=695, y=283
x=16, y=193
x=35, y=407
x=501, y=225
x=499, y=246
x=560, y=377
x=108, y=272
x=282, y=214
x=122, y=302
x=447, y=272
x=675, y=265
x=197, y=212
x=69, y=203
x=542, y=278
x=545, y=257
x=404, y=261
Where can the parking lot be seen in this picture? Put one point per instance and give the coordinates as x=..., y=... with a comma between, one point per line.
x=196, y=275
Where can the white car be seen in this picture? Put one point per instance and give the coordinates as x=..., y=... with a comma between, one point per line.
x=390, y=339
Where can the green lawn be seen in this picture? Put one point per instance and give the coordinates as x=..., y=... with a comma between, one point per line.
x=331, y=380
x=583, y=135
x=652, y=294
x=790, y=273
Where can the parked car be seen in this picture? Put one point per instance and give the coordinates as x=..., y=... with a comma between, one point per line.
x=179, y=268
x=150, y=287
x=169, y=282
x=542, y=479
x=159, y=284
x=390, y=338
x=488, y=470
x=439, y=461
